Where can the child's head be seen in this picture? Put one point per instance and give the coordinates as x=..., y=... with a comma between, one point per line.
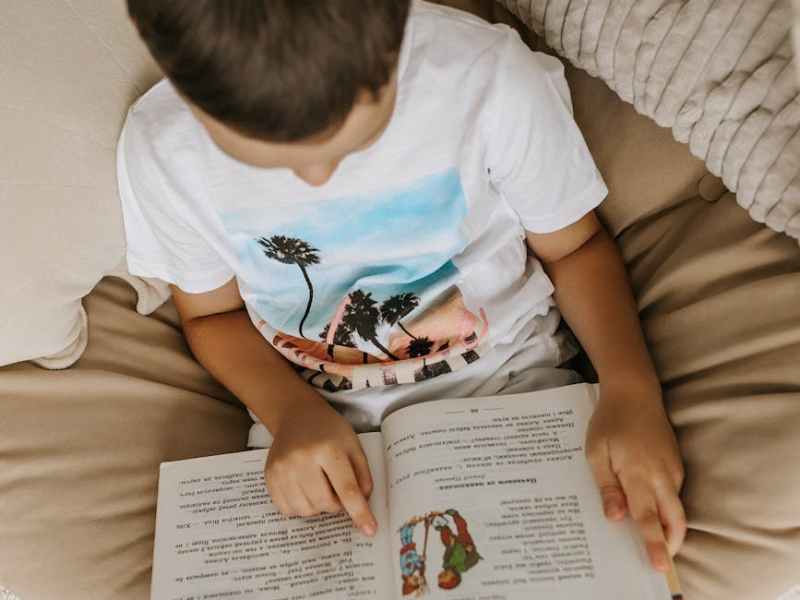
x=281, y=83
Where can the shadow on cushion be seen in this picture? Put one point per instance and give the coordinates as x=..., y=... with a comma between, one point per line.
x=80, y=451
x=718, y=296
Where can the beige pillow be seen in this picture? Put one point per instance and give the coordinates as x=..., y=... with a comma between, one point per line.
x=717, y=297
x=70, y=69
x=719, y=74
x=81, y=447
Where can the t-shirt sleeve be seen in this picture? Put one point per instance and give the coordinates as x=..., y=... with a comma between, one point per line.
x=163, y=238
x=536, y=155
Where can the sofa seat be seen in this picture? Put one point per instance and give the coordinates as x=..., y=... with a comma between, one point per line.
x=80, y=450
x=718, y=297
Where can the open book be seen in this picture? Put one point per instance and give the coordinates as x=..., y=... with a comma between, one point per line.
x=486, y=498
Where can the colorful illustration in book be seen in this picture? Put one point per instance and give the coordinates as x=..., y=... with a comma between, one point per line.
x=460, y=552
x=412, y=565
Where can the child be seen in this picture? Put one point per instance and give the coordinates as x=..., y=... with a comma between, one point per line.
x=362, y=204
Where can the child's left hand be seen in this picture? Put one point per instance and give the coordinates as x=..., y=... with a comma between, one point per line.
x=632, y=450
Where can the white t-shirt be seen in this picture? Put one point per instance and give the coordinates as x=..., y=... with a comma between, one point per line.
x=410, y=263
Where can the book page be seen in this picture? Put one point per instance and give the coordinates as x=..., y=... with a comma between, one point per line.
x=492, y=498
x=218, y=536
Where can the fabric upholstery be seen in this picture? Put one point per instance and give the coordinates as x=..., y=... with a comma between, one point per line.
x=69, y=70
x=80, y=449
x=718, y=301
x=719, y=73
x=717, y=296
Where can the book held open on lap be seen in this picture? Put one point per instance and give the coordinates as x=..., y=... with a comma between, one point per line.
x=476, y=499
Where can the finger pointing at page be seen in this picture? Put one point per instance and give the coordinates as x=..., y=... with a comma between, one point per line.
x=343, y=479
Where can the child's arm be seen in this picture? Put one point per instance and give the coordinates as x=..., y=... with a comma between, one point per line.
x=313, y=445
x=630, y=444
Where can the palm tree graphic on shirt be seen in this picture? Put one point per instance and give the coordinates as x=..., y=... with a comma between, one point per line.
x=342, y=337
x=293, y=251
x=394, y=310
x=363, y=317
x=420, y=347
x=397, y=307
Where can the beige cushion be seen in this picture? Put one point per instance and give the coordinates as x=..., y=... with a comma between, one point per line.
x=70, y=69
x=720, y=74
x=80, y=449
x=718, y=299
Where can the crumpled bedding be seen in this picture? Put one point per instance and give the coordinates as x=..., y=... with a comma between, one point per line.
x=720, y=73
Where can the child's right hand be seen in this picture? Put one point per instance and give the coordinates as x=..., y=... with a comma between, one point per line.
x=316, y=464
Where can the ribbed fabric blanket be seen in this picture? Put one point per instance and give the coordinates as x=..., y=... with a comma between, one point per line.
x=720, y=73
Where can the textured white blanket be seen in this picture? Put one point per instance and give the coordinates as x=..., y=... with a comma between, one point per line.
x=720, y=73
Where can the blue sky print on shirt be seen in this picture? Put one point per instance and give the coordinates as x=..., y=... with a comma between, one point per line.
x=299, y=269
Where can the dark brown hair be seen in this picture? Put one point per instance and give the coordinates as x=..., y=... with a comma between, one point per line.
x=277, y=70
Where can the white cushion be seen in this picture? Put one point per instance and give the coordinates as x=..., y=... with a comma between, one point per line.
x=69, y=71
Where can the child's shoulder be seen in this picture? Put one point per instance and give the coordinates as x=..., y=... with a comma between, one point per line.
x=159, y=123
x=452, y=39
x=429, y=10
x=451, y=26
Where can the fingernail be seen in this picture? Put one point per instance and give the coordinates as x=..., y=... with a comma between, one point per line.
x=612, y=510
x=660, y=562
x=369, y=529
